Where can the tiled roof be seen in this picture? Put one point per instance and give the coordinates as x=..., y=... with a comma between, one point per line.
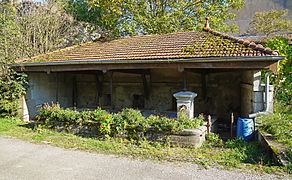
x=207, y=43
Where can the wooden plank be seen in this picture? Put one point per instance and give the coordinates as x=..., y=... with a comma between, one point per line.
x=111, y=89
x=254, y=65
x=57, y=88
x=74, y=94
x=204, y=78
x=184, y=81
x=146, y=85
x=133, y=71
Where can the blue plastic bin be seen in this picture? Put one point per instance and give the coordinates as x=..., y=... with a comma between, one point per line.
x=245, y=128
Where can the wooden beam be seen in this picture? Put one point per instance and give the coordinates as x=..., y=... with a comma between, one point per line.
x=146, y=85
x=74, y=93
x=99, y=80
x=111, y=89
x=204, y=78
x=243, y=65
x=133, y=71
x=99, y=87
x=184, y=81
x=57, y=88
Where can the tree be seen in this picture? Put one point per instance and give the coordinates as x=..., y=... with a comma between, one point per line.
x=165, y=16
x=9, y=35
x=284, y=78
x=129, y=17
x=270, y=22
x=43, y=27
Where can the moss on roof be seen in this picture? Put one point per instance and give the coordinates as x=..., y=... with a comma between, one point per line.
x=193, y=44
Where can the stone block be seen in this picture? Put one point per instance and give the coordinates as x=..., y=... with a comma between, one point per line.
x=190, y=137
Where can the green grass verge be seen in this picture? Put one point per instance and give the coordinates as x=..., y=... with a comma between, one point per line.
x=280, y=126
x=234, y=154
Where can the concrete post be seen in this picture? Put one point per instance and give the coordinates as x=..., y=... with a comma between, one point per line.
x=185, y=99
x=24, y=109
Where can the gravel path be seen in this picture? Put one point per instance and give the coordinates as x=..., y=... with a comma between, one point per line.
x=23, y=160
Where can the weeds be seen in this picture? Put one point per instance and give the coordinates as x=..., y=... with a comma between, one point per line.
x=234, y=153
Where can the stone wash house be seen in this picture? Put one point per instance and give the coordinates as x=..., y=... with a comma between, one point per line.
x=144, y=72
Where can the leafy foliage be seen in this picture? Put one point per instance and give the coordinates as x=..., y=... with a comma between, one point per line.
x=129, y=17
x=280, y=126
x=284, y=77
x=214, y=140
x=270, y=22
x=238, y=150
x=9, y=35
x=12, y=87
x=128, y=123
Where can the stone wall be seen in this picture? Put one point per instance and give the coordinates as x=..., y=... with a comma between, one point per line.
x=218, y=93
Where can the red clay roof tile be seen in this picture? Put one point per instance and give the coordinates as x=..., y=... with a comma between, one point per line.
x=207, y=43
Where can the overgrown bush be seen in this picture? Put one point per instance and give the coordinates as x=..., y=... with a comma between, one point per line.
x=279, y=125
x=131, y=123
x=238, y=151
x=128, y=123
x=283, y=80
x=12, y=87
x=214, y=140
x=55, y=117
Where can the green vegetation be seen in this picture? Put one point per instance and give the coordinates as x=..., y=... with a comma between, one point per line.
x=12, y=87
x=283, y=80
x=129, y=17
x=278, y=23
x=234, y=154
x=280, y=126
x=128, y=123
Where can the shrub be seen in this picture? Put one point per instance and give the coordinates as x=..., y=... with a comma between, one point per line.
x=128, y=123
x=279, y=125
x=163, y=124
x=283, y=80
x=55, y=117
x=214, y=140
x=12, y=87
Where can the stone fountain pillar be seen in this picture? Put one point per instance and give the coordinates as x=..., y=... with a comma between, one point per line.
x=185, y=100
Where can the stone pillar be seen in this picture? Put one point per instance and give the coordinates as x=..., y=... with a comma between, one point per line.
x=258, y=99
x=185, y=99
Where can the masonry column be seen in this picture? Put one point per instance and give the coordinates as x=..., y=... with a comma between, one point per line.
x=185, y=100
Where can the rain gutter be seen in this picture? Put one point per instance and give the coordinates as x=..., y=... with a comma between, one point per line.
x=148, y=61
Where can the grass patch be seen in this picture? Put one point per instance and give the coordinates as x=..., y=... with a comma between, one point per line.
x=232, y=154
x=280, y=126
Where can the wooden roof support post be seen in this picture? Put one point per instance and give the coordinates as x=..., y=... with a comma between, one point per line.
x=57, y=87
x=146, y=85
x=204, y=80
x=185, y=80
x=99, y=86
x=74, y=93
x=111, y=88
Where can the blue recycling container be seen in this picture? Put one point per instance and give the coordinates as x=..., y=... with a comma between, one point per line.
x=245, y=128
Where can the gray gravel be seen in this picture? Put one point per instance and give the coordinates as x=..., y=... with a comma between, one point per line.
x=23, y=160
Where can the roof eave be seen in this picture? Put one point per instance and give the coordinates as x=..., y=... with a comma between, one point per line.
x=146, y=61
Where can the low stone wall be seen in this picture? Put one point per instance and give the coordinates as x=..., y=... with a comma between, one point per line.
x=277, y=150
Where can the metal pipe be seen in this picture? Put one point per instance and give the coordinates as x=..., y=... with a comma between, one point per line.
x=267, y=98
